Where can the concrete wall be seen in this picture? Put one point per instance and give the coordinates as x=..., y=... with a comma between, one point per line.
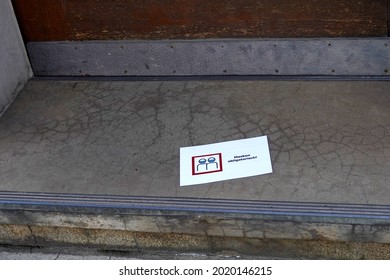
x=15, y=68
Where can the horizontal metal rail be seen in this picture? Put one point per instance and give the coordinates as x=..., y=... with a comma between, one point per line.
x=52, y=201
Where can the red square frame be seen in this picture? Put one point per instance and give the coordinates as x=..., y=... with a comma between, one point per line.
x=220, y=169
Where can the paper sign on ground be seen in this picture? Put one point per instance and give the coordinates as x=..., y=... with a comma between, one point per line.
x=224, y=161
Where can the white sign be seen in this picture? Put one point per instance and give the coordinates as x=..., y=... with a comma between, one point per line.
x=224, y=161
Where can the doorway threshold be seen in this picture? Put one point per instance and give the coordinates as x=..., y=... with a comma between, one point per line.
x=100, y=148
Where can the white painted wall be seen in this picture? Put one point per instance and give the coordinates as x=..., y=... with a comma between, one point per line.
x=15, y=68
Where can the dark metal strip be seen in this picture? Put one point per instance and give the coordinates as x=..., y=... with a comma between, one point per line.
x=215, y=78
x=48, y=201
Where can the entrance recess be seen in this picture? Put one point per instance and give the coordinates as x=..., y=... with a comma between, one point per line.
x=121, y=85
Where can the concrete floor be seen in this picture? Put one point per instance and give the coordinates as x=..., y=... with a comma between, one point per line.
x=329, y=140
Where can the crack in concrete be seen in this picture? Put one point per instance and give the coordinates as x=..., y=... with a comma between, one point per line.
x=32, y=235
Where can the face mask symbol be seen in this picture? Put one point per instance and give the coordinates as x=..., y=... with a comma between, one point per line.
x=202, y=163
x=207, y=163
x=212, y=162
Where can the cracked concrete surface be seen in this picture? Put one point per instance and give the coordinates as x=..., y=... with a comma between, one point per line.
x=329, y=140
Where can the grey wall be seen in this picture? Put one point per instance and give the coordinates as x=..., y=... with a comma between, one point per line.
x=15, y=68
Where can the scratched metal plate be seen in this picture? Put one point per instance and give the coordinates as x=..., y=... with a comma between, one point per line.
x=212, y=57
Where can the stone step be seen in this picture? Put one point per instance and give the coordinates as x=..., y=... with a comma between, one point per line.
x=96, y=163
x=274, y=229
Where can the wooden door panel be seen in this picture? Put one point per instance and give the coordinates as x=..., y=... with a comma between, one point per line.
x=198, y=19
x=43, y=20
x=49, y=20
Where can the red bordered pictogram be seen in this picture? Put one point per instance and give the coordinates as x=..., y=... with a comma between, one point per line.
x=205, y=164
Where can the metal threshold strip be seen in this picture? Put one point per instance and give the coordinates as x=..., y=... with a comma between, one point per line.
x=215, y=78
x=109, y=203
